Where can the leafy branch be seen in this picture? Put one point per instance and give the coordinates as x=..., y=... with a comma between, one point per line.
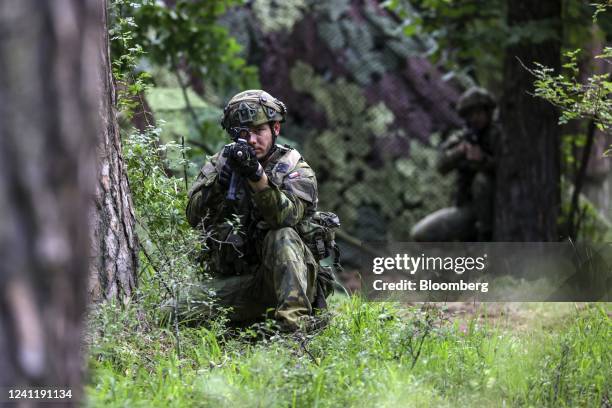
x=576, y=98
x=589, y=99
x=600, y=8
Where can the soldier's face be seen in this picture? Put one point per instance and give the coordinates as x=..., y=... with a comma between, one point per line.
x=478, y=119
x=262, y=137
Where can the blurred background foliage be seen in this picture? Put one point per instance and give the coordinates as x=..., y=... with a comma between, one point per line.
x=471, y=36
x=370, y=86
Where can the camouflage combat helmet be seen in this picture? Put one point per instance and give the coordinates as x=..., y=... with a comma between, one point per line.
x=475, y=97
x=252, y=108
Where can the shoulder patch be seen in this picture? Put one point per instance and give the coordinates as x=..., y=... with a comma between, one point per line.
x=281, y=167
x=285, y=164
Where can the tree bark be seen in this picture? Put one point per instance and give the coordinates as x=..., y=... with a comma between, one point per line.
x=49, y=113
x=528, y=198
x=114, y=243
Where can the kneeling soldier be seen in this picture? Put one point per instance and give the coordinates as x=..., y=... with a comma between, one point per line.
x=248, y=199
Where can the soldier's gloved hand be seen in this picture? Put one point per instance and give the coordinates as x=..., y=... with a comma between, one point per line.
x=243, y=160
x=225, y=175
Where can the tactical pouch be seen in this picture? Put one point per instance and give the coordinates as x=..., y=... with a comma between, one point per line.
x=318, y=233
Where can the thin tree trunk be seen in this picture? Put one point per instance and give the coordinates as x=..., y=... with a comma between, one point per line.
x=573, y=218
x=527, y=201
x=114, y=242
x=48, y=130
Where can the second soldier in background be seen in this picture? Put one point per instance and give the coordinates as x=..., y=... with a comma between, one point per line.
x=471, y=153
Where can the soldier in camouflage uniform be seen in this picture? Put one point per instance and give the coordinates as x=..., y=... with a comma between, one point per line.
x=256, y=257
x=471, y=152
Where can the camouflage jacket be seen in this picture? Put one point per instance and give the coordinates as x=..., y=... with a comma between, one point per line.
x=236, y=229
x=452, y=158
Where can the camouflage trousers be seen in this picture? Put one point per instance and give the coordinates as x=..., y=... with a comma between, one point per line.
x=284, y=285
x=469, y=222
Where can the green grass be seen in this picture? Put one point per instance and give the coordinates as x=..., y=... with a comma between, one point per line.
x=372, y=354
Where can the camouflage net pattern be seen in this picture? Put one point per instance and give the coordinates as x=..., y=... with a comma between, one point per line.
x=377, y=193
x=365, y=107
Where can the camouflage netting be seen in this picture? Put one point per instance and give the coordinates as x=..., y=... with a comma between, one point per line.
x=363, y=105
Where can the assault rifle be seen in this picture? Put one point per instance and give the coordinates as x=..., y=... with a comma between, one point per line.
x=239, y=135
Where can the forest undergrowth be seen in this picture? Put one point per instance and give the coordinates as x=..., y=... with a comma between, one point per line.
x=370, y=354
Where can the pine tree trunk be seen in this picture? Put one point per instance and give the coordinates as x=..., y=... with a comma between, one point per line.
x=114, y=242
x=527, y=202
x=49, y=114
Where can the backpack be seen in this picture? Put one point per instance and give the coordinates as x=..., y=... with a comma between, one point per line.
x=318, y=232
